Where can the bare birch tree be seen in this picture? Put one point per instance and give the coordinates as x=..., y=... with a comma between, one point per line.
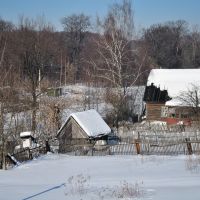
x=118, y=61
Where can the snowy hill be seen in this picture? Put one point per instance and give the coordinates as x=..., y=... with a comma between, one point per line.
x=65, y=177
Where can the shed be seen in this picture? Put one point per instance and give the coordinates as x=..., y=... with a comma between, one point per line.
x=163, y=91
x=28, y=141
x=82, y=128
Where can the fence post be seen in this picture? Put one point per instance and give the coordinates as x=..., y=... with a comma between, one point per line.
x=30, y=156
x=92, y=151
x=137, y=146
x=47, y=146
x=189, y=146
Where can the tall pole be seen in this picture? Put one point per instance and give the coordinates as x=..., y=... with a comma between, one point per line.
x=39, y=80
x=1, y=121
x=2, y=148
x=65, y=72
x=39, y=87
x=61, y=69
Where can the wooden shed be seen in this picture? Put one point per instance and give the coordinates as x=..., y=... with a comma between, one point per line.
x=155, y=99
x=82, y=128
x=163, y=91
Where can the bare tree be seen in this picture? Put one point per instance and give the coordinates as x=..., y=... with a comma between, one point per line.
x=191, y=100
x=36, y=53
x=9, y=99
x=75, y=27
x=196, y=46
x=165, y=43
x=50, y=118
x=10, y=123
x=118, y=61
x=8, y=61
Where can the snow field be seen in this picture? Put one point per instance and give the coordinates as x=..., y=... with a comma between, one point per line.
x=63, y=177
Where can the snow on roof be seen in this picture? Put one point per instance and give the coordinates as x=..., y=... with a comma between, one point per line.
x=175, y=102
x=91, y=122
x=174, y=81
x=25, y=134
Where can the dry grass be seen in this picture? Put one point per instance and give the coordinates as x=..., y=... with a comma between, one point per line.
x=79, y=186
x=128, y=191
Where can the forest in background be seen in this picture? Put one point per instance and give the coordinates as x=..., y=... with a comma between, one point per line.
x=84, y=52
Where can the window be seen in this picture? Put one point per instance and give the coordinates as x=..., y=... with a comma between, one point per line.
x=164, y=111
x=184, y=116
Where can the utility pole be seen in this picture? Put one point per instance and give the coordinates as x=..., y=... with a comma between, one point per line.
x=2, y=141
x=39, y=80
x=61, y=69
x=39, y=88
x=65, y=72
x=1, y=122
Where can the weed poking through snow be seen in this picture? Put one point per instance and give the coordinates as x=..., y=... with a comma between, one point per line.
x=78, y=187
x=78, y=184
x=128, y=191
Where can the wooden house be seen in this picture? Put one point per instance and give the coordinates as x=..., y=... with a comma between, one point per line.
x=163, y=95
x=82, y=128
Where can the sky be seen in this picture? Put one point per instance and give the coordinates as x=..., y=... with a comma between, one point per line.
x=146, y=12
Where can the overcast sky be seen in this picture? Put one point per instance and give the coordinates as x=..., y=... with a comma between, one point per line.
x=147, y=12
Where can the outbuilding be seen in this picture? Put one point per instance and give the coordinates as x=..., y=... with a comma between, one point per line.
x=167, y=95
x=82, y=128
x=28, y=140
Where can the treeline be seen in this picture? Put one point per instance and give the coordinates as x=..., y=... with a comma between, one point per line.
x=34, y=56
x=33, y=48
x=173, y=45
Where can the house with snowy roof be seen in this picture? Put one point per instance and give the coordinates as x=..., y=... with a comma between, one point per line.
x=167, y=95
x=82, y=128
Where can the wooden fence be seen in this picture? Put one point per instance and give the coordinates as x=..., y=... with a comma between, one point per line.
x=144, y=146
x=25, y=154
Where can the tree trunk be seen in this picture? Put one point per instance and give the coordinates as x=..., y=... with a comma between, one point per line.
x=3, y=159
x=34, y=111
x=1, y=135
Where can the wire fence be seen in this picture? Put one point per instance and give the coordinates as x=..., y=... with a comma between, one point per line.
x=154, y=140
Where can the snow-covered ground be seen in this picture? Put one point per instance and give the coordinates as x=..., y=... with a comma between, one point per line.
x=65, y=177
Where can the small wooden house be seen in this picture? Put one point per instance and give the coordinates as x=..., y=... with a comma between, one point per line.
x=82, y=128
x=163, y=92
x=28, y=141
